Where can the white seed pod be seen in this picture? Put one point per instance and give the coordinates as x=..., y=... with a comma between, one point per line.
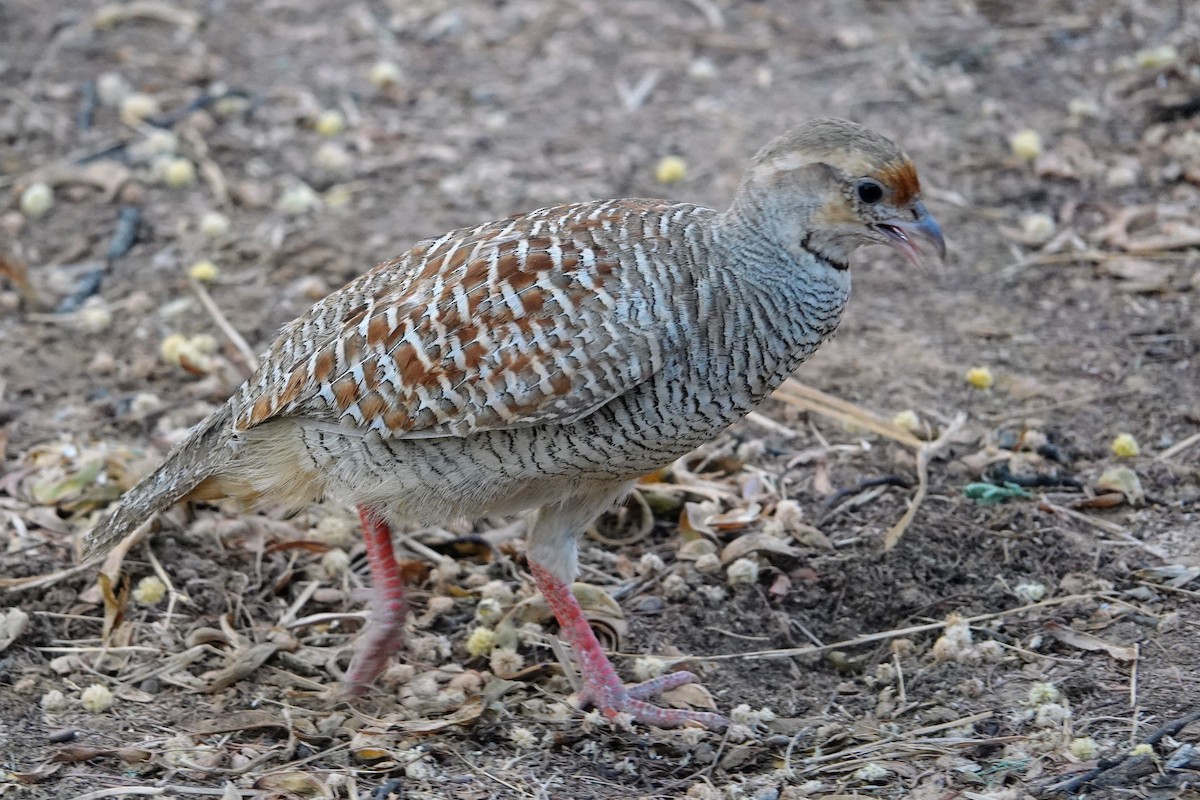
x=335, y=561
x=297, y=199
x=330, y=123
x=488, y=611
x=150, y=590
x=214, y=224
x=96, y=698
x=36, y=200
x=384, y=74
x=743, y=572
x=53, y=701
x=112, y=88
x=136, y=107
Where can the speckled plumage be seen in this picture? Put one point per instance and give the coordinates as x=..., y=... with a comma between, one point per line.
x=548, y=360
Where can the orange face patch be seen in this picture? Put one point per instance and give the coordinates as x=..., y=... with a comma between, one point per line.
x=901, y=177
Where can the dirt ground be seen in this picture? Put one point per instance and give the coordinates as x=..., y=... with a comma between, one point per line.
x=1037, y=645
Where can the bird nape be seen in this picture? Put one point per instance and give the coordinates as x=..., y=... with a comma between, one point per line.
x=546, y=362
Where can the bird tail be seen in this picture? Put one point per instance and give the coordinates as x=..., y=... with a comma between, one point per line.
x=185, y=470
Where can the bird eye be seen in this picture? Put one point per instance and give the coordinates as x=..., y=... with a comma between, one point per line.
x=870, y=192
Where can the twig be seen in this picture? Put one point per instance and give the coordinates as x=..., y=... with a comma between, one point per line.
x=763, y=421
x=250, y=361
x=869, y=638
x=1108, y=527
x=816, y=401
x=122, y=791
x=1178, y=447
x=927, y=451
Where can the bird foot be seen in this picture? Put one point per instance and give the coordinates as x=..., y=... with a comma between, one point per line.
x=607, y=693
x=375, y=647
x=602, y=686
x=384, y=633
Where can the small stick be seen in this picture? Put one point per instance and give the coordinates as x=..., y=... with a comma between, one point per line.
x=869, y=638
x=1178, y=447
x=250, y=360
x=927, y=451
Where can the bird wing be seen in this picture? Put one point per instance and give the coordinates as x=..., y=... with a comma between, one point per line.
x=541, y=318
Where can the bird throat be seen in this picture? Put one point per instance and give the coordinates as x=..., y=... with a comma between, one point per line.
x=807, y=245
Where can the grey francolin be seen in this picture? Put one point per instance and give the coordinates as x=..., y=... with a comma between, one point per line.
x=547, y=361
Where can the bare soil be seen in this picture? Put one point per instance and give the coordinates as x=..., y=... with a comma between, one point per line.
x=1084, y=613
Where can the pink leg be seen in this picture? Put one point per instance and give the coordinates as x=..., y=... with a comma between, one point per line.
x=385, y=631
x=602, y=686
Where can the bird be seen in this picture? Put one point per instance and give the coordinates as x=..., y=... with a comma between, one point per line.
x=545, y=362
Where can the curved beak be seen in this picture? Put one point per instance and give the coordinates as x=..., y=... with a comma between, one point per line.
x=903, y=233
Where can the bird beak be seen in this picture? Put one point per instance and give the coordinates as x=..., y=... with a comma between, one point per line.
x=902, y=233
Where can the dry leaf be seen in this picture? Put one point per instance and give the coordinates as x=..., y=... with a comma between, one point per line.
x=756, y=543
x=464, y=715
x=689, y=695
x=1140, y=276
x=238, y=721
x=1086, y=641
x=293, y=783
x=1122, y=480
x=245, y=662
x=12, y=624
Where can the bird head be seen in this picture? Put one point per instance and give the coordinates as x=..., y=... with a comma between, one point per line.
x=829, y=186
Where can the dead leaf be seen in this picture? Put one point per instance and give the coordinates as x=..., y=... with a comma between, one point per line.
x=13, y=622
x=464, y=715
x=1086, y=641
x=751, y=543
x=75, y=753
x=238, y=721
x=689, y=696
x=114, y=605
x=294, y=783
x=1122, y=480
x=245, y=662
x=1136, y=275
